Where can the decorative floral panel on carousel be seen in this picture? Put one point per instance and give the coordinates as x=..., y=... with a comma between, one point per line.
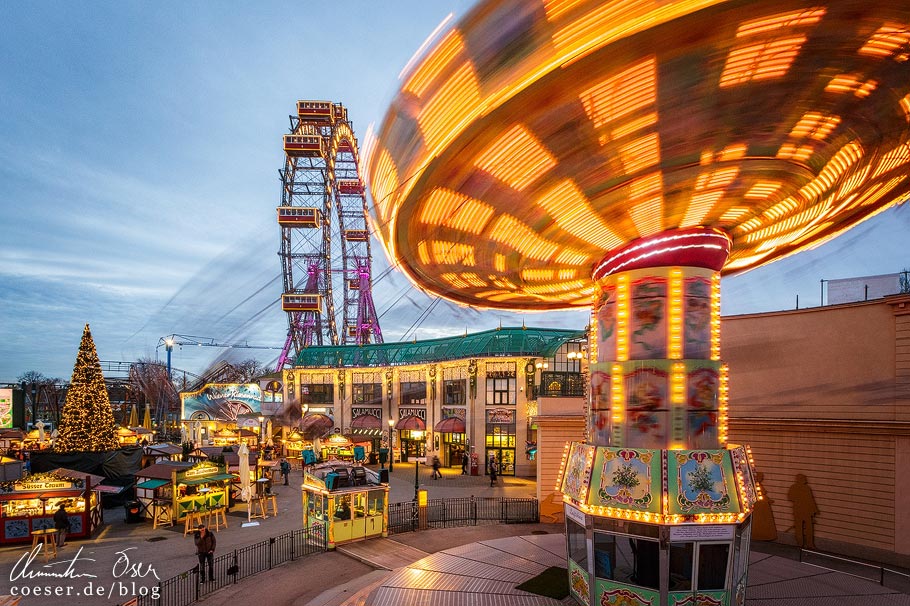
x=605, y=316
x=626, y=478
x=701, y=482
x=579, y=583
x=702, y=598
x=576, y=477
x=702, y=404
x=648, y=322
x=697, y=324
x=614, y=594
x=647, y=405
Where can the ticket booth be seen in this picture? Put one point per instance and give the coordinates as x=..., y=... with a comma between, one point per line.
x=347, y=500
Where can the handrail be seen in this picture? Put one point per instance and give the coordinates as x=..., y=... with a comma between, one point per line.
x=880, y=568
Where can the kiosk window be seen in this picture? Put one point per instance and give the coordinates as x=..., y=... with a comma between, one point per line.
x=578, y=546
x=343, y=508
x=712, y=566
x=360, y=501
x=681, y=566
x=376, y=499
x=604, y=555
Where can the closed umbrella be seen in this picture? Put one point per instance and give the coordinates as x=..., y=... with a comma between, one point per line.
x=244, y=454
x=147, y=419
x=197, y=432
x=40, y=426
x=134, y=417
x=182, y=433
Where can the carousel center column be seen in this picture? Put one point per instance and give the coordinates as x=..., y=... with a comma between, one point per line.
x=656, y=503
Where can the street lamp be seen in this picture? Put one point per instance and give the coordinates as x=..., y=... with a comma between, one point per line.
x=391, y=450
x=416, y=478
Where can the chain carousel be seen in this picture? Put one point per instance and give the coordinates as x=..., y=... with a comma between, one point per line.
x=622, y=157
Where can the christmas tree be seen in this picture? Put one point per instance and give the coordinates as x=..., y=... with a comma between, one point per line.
x=87, y=422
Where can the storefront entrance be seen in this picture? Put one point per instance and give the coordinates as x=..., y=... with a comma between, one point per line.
x=505, y=457
x=411, y=449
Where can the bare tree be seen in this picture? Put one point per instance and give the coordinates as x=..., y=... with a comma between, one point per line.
x=150, y=385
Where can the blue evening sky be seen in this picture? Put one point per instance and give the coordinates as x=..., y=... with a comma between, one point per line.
x=139, y=156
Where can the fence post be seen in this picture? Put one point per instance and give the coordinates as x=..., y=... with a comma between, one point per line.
x=236, y=563
x=271, y=542
x=473, y=511
x=196, y=582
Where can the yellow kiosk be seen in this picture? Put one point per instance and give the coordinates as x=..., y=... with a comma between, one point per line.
x=348, y=500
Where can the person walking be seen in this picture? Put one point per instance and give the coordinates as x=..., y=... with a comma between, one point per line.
x=436, y=465
x=285, y=469
x=61, y=524
x=493, y=469
x=464, y=463
x=205, y=551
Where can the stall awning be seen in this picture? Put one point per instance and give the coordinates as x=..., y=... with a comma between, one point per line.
x=212, y=478
x=450, y=425
x=412, y=422
x=152, y=484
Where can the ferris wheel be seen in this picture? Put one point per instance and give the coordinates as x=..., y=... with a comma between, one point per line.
x=325, y=238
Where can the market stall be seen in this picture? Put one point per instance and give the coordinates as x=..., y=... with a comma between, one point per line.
x=181, y=488
x=29, y=504
x=348, y=500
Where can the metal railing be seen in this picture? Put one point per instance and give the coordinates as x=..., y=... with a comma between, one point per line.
x=185, y=588
x=886, y=577
x=466, y=511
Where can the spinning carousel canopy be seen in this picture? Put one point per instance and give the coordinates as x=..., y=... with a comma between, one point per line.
x=538, y=135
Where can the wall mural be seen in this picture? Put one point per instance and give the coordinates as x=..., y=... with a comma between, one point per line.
x=222, y=402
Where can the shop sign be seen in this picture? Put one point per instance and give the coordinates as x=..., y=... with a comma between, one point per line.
x=574, y=514
x=701, y=532
x=416, y=412
x=200, y=472
x=359, y=412
x=28, y=486
x=500, y=415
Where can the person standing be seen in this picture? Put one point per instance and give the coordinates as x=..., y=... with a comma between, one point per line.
x=205, y=551
x=61, y=524
x=464, y=463
x=285, y=469
x=436, y=465
x=493, y=470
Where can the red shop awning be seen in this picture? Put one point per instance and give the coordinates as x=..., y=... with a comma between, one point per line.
x=411, y=422
x=450, y=425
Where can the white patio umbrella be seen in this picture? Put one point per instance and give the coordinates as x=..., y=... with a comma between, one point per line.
x=244, y=464
x=197, y=432
x=182, y=434
x=40, y=426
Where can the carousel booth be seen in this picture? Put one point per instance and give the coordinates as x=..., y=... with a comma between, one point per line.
x=28, y=505
x=348, y=500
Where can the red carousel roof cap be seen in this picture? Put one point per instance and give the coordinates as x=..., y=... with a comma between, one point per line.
x=696, y=247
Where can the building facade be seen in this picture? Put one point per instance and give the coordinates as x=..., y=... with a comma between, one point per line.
x=454, y=397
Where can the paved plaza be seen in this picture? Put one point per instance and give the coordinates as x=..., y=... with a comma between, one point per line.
x=453, y=566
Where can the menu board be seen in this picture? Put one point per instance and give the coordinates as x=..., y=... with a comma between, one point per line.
x=6, y=408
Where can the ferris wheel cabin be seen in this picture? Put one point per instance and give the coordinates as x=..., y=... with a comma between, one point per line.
x=350, y=188
x=356, y=235
x=301, y=302
x=297, y=216
x=316, y=111
x=304, y=146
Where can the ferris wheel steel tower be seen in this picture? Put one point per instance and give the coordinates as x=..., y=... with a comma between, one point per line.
x=323, y=219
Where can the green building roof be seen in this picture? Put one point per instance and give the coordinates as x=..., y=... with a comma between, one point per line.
x=533, y=342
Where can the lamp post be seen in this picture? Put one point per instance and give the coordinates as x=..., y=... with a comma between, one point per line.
x=416, y=479
x=259, y=442
x=391, y=450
